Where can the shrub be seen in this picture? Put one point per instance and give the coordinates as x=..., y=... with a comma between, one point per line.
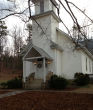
x=3, y=85
x=81, y=79
x=57, y=82
x=12, y=84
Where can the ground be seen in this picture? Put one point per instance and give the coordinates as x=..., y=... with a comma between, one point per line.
x=69, y=99
x=4, y=91
x=9, y=74
x=47, y=100
x=85, y=89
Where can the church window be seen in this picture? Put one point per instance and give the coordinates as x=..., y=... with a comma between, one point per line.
x=41, y=6
x=90, y=66
x=86, y=64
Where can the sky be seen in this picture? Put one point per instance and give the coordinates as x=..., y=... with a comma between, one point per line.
x=12, y=21
x=86, y=5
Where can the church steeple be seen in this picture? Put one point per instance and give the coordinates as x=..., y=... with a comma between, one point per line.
x=46, y=20
x=42, y=6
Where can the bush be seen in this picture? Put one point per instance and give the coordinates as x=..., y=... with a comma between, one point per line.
x=3, y=84
x=57, y=82
x=81, y=79
x=12, y=84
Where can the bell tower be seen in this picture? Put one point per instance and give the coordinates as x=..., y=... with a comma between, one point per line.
x=42, y=6
x=46, y=18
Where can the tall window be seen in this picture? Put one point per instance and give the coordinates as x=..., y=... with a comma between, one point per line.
x=90, y=66
x=41, y=6
x=86, y=64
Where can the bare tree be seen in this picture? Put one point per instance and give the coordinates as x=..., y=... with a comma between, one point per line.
x=17, y=40
x=3, y=33
x=27, y=13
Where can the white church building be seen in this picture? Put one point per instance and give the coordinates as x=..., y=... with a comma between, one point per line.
x=51, y=50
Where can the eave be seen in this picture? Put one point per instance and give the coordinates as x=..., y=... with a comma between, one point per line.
x=47, y=14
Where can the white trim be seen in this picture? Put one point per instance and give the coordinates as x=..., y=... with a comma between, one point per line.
x=41, y=52
x=51, y=12
x=33, y=58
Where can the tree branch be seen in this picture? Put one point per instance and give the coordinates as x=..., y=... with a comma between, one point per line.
x=81, y=11
x=66, y=10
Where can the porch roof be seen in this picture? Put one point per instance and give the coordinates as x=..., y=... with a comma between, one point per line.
x=35, y=52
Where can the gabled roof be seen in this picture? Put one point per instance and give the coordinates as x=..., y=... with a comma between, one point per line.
x=88, y=44
x=36, y=52
x=86, y=50
x=25, y=49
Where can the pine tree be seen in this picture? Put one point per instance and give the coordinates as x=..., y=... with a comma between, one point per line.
x=3, y=33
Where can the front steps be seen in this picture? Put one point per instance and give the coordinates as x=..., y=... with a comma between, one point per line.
x=34, y=84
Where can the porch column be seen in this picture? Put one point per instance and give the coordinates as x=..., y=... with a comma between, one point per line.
x=44, y=69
